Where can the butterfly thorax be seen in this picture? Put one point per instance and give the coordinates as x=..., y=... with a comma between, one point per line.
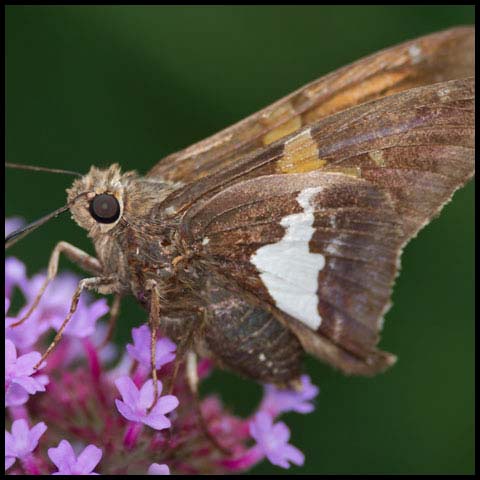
x=150, y=253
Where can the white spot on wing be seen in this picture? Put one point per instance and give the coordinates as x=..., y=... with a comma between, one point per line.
x=415, y=53
x=444, y=94
x=332, y=249
x=333, y=221
x=289, y=270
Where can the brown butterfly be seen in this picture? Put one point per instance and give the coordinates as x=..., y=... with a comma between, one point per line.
x=283, y=233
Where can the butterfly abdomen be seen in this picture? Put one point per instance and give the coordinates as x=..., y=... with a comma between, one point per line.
x=251, y=341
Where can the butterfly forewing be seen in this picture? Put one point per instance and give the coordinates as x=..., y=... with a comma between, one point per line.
x=417, y=145
x=434, y=58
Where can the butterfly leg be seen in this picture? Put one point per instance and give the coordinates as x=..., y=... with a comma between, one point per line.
x=79, y=257
x=153, y=321
x=92, y=283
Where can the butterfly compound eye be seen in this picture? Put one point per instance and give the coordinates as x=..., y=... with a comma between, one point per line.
x=105, y=208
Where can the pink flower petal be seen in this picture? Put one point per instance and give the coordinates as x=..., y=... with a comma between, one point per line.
x=9, y=461
x=165, y=404
x=20, y=429
x=9, y=444
x=126, y=411
x=277, y=459
x=127, y=389
x=22, y=440
x=15, y=395
x=137, y=334
x=157, y=469
x=261, y=423
x=281, y=432
x=15, y=275
x=293, y=454
x=88, y=459
x=12, y=224
x=146, y=394
x=29, y=384
x=140, y=350
x=165, y=351
x=158, y=422
x=62, y=456
x=36, y=432
x=10, y=352
x=24, y=364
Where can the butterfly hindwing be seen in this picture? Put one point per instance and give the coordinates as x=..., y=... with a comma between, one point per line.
x=318, y=248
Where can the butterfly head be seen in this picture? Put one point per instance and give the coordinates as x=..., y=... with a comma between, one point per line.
x=97, y=200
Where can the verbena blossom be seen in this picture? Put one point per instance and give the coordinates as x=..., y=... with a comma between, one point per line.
x=68, y=463
x=156, y=469
x=136, y=403
x=21, y=442
x=12, y=224
x=272, y=439
x=277, y=401
x=19, y=379
x=140, y=350
x=95, y=399
x=15, y=275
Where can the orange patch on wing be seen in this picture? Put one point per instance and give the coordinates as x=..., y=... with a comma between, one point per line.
x=280, y=121
x=372, y=88
x=300, y=155
x=283, y=130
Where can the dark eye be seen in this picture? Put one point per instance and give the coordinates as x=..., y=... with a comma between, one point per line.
x=105, y=208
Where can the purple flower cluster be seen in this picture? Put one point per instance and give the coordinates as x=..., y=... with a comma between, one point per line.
x=87, y=409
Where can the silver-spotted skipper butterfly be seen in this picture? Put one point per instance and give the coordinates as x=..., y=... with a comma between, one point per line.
x=282, y=234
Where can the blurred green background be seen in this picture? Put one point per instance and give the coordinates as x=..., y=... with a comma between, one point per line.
x=96, y=85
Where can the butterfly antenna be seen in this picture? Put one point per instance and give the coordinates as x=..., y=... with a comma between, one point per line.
x=19, y=166
x=17, y=235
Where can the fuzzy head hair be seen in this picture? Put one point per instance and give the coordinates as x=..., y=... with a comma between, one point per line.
x=110, y=181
